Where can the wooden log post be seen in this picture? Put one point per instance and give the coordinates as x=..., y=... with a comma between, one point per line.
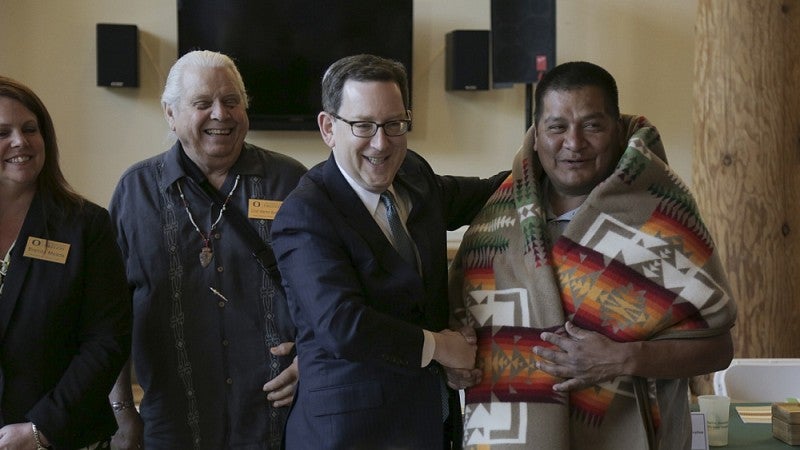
x=746, y=168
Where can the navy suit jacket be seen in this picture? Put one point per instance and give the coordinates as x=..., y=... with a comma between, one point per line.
x=64, y=328
x=360, y=308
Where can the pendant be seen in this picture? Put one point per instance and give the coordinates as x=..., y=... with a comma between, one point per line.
x=205, y=256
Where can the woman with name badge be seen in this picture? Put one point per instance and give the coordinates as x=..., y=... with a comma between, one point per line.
x=65, y=311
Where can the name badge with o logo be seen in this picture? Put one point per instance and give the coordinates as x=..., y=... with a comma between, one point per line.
x=53, y=251
x=262, y=209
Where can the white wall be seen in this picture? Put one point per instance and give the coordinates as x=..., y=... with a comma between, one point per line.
x=648, y=45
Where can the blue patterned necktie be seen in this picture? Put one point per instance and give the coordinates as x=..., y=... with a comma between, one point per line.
x=402, y=241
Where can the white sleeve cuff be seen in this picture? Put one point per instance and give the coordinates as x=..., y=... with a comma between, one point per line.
x=428, y=347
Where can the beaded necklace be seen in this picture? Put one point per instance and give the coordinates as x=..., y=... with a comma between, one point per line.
x=206, y=255
x=4, y=265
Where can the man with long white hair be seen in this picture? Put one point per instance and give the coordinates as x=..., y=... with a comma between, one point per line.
x=212, y=332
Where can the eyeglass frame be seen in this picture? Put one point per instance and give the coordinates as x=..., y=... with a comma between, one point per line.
x=375, y=124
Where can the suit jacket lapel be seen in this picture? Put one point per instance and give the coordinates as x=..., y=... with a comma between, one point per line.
x=34, y=225
x=411, y=181
x=352, y=208
x=424, y=229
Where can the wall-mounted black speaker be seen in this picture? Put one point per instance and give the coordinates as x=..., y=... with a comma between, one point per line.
x=523, y=40
x=117, y=55
x=467, y=60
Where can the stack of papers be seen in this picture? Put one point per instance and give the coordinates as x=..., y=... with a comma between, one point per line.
x=755, y=414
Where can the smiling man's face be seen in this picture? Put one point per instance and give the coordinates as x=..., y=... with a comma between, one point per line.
x=210, y=119
x=578, y=142
x=372, y=162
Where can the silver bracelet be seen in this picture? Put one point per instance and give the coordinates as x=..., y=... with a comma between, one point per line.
x=36, y=439
x=121, y=406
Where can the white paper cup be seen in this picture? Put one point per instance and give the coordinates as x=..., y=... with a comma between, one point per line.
x=716, y=408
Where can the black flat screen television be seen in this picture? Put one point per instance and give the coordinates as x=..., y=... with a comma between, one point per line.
x=282, y=47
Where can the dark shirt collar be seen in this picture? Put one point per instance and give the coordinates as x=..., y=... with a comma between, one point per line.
x=177, y=165
x=190, y=168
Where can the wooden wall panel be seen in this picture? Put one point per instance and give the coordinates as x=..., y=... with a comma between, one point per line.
x=791, y=107
x=746, y=171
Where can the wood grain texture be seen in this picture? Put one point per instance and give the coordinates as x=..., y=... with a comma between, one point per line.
x=746, y=172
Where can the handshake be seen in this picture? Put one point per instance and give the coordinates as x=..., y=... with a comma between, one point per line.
x=455, y=351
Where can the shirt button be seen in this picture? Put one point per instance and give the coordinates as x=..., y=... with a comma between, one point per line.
x=221, y=304
x=229, y=380
x=216, y=235
x=225, y=342
x=220, y=269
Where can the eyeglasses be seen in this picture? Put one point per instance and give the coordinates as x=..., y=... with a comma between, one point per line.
x=367, y=129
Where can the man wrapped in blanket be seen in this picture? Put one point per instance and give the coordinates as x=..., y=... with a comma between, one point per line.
x=592, y=283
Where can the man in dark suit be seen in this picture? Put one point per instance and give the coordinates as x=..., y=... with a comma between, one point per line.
x=370, y=304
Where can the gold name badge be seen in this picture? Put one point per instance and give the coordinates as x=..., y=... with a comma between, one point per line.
x=262, y=209
x=43, y=249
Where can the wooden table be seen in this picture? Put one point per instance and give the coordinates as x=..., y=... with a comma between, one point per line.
x=751, y=436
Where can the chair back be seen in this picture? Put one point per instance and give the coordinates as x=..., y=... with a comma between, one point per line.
x=759, y=380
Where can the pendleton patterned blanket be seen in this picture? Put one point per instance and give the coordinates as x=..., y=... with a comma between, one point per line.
x=636, y=262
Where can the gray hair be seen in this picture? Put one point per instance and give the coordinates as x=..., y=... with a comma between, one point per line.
x=173, y=88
